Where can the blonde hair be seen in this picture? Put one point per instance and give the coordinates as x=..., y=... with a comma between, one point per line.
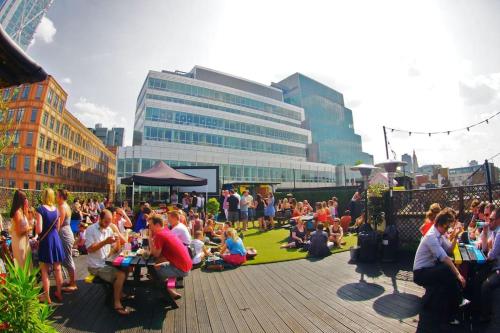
x=433, y=211
x=285, y=200
x=231, y=233
x=48, y=197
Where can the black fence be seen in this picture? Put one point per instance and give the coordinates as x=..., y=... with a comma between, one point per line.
x=409, y=207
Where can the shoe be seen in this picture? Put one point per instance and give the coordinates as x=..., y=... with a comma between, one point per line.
x=464, y=303
x=454, y=322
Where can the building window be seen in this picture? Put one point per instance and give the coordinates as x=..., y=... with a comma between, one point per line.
x=48, y=145
x=6, y=94
x=15, y=93
x=61, y=106
x=10, y=115
x=2, y=161
x=39, y=90
x=38, y=186
x=54, y=148
x=70, y=154
x=52, y=168
x=12, y=183
x=16, y=139
x=19, y=115
x=26, y=185
x=27, y=163
x=34, y=115
x=39, y=165
x=29, y=139
x=51, y=123
x=26, y=92
x=50, y=95
x=58, y=126
x=46, y=167
x=13, y=162
x=41, y=142
x=45, y=118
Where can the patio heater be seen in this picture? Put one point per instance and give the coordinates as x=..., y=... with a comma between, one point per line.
x=365, y=170
x=390, y=238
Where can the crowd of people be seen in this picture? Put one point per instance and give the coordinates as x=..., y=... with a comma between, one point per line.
x=445, y=281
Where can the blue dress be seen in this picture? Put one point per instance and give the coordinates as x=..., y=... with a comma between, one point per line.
x=270, y=210
x=50, y=249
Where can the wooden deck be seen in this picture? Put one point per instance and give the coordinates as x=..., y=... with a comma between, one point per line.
x=327, y=295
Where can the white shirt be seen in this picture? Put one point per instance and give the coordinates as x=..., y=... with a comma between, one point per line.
x=94, y=235
x=198, y=250
x=174, y=199
x=181, y=231
x=199, y=202
x=121, y=226
x=239, y=199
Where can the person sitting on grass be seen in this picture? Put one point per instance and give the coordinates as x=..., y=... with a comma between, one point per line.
x=319, y=246
x=210, y=232
x=233, y=251
x=298, y=236
x=199, y=248
x=173, y=259
x=336, y=233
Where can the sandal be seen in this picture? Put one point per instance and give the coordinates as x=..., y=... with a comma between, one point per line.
x=58, y=296
x=69, y=289
x=122, y=311
x=127, y=297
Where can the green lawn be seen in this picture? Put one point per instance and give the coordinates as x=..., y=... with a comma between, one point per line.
x=268, y=246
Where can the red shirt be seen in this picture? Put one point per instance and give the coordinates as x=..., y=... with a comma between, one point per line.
x=173, y=250
x=426, y=226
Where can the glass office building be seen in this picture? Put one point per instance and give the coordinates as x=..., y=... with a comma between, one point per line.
x=20, y=18
x=207, y=118
x=330, y=122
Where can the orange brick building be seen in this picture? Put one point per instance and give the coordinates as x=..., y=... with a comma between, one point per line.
x=53, y=146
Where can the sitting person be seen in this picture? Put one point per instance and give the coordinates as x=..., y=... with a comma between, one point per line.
x=98, y=240
x=297, y=237
x=173, y=259
x=434, y=209
x=199, y=248
x=179, y=229
x=210, y=233
x=233, y=251
x=491, y=246
x=80, y=239
x=345, y=220
x=319, y=246
x=434, y=268
x=336, y=233
x=196, y=223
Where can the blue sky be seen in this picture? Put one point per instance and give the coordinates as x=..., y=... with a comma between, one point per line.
x=417, y=65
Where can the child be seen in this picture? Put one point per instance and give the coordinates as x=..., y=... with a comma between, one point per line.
x=198, y=245
x=80, y=240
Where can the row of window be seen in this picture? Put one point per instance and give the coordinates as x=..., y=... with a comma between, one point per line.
x=23, y=93
x=219, y=108
x=13, y=162
x=230, y=172
x=187, y=89
x=184, y=118
x=203, y=139
x=12, y=183
x=53, y=168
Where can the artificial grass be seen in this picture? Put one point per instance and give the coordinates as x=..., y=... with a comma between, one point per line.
x=268, y=246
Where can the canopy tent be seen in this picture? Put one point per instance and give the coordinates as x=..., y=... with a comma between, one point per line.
x=15, y=66
x=162, y=175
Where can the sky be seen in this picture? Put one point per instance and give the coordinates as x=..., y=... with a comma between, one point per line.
x=414, y=65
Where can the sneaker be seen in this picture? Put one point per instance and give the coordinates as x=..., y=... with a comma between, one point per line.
x=454, y=322
x=464, y=303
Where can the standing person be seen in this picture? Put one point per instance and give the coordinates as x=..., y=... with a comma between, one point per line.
x=270, y=209
x=98, y=240
x=194, y=202
x=355, y=206
x=244, y=207
x=50, y=249
x=200, y=205
x=174, y=198
x=225, y=203
x=67, y=239
x=20, y=227
x=232, y=210
x=186, y=202
x=334, y=209
x=251, y=209
x=173, y=256
x=433, y=266
x=260, y=206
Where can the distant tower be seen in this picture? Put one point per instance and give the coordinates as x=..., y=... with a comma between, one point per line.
x=415, y=162
x=409, y=163
x=20, y=18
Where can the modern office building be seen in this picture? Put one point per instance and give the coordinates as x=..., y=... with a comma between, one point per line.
x=205, y=117
x=51, y=145
x=408, y=168
x=110, y=137
x=330, y=122
x=20, y=18
x=472, y=175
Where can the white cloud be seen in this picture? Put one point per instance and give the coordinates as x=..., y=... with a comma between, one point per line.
x=67, y=80
x=45, y=31
x=91, y=113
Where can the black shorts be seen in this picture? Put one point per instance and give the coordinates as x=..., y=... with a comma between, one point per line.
x=259, y=214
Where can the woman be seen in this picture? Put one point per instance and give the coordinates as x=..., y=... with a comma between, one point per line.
x=336, y=233
x=233, y=245
x=67, y=239
x=270, y=210
x=260, y=206
x=298, y=236
x=322, y=213
x=127, y=209
x=431, y=214
x=287, y=209
x=299, y=209
x=20, y=227
x=50, y=249
x=319, y=246
x=210, y=232
x=76, y=217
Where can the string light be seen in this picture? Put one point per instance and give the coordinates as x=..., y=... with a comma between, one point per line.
x=448, y=132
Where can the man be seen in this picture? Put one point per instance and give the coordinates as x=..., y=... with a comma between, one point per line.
x=355, y=206
x=174, y=199
x=179, y=229
x=491, y=246
x=232, y=210
x=434, y=268
x=200, y=205
x=98, y=240
x=173, y=256
x=194, y=202
x=245, y=203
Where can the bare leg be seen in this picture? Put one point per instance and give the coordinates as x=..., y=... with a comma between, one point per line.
x=271, y=220
x=45, y=282
x=59, y=279
x=118, y=288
